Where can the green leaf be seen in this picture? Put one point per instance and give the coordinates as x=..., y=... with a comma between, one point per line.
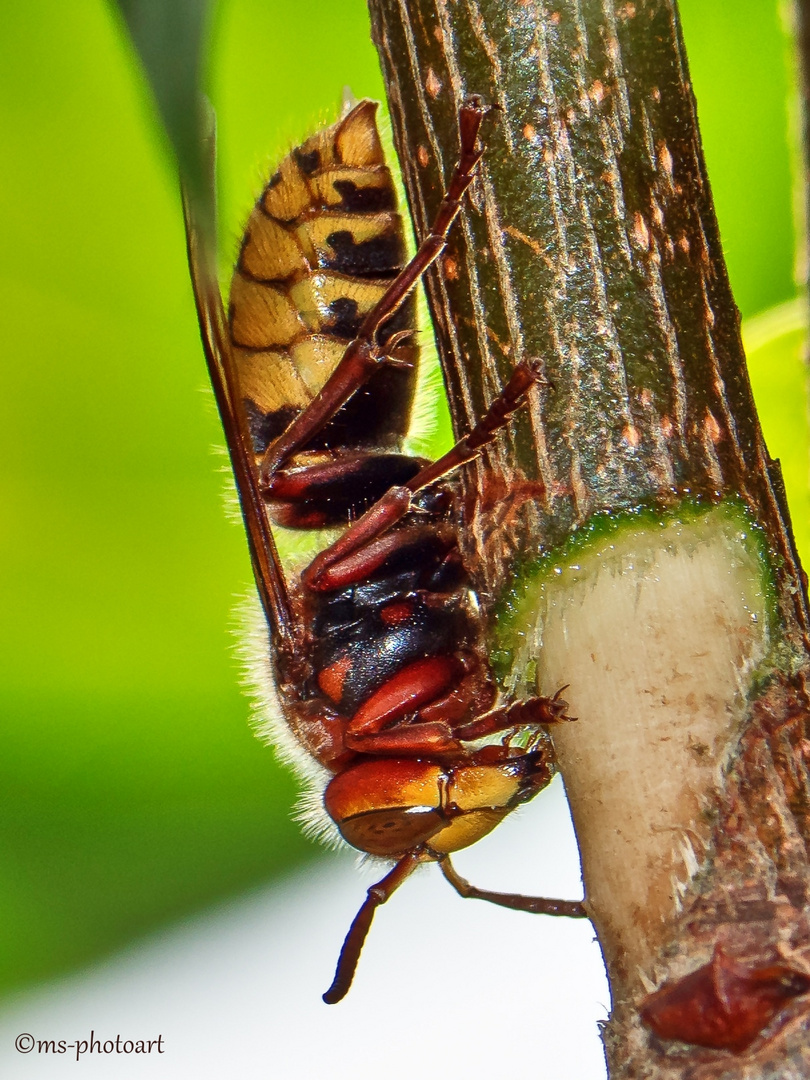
x=171, y=37
x=776, y=345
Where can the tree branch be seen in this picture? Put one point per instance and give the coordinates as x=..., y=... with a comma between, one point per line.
x=591, y=242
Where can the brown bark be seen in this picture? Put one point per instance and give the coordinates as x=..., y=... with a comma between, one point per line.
x=591, y=241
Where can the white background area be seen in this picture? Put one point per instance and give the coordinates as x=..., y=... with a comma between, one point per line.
x=446, y=987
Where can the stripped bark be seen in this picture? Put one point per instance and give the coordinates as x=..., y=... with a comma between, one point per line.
x=592, y=242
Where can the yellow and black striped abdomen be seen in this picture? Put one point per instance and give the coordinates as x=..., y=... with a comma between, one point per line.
x=321, y=246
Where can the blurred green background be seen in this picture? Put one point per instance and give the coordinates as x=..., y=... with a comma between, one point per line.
x=131, y=790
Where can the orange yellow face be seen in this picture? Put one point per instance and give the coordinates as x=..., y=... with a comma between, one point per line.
x=392, y=806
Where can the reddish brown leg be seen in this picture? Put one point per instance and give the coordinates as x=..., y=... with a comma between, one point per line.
x=422, y=685
x=533, y=712
x=358, y=931
x=471, y=695
x=415, y=685
x=443, y=737
x=538, y=905
x=364, y=354
x=410, y=740
x=328, y=567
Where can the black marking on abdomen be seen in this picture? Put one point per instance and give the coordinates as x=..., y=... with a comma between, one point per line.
x=346, y=319
x=379, y=257
x=373, y=417
x=361, y=200
x=429, y=562
x=308, y=163
x=378, y=651
x=265, y=427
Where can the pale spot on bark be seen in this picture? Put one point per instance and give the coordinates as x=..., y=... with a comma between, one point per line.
x=665, y=158
x=597, y=92
x=713, y=428
x=640, y=231
x=450, y=267
x=433, y=83
x=524, y=239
